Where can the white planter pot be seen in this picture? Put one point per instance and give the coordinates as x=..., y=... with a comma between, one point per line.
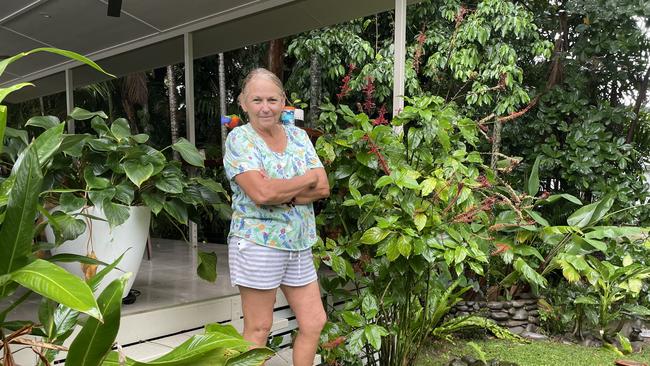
x=129, y=238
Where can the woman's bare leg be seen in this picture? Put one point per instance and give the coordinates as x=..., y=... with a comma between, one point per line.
x=257, y=306
x=305, y=301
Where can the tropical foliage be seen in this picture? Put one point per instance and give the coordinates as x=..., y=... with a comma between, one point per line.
x=65, y=297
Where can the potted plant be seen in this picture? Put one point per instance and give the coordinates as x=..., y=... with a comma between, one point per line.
x=105, y=185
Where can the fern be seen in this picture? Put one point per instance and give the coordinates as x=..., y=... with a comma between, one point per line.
x=451, y=326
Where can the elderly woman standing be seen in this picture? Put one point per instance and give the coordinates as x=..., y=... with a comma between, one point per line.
x=275, y=176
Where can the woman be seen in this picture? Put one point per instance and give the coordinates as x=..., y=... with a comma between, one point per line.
x=275, y=175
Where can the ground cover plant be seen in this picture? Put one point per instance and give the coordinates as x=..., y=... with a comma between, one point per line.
x=541, y=353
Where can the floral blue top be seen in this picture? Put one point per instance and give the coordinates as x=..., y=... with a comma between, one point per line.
x=277, y=226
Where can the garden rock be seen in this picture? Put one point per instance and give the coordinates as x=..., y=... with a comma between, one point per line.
x=457, y=362
x=499, y=315
x=516, y=323
x=518, y=303
x=495, y=305
x=520, y=314
x=533, y=336
x=517, y=330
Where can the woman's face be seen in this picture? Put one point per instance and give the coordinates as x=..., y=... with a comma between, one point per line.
x=263, y=102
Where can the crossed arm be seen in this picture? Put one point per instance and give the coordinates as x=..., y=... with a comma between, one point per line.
x=301, y=190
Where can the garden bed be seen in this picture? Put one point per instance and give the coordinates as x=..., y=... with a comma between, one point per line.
x=542, y=353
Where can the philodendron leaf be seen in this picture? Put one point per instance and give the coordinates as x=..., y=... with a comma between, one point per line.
x=94, y=182
x=136, y=172
x=66, y=226
x=96, y=338
x=207, y=268
x=154, y=201
x=177, y=210
x=59, y=285
x=17, y=229
x=44, y=122
x=80, y=114
x=120, y=129
x=189, y=152
x=116, y=214
x=70, y=202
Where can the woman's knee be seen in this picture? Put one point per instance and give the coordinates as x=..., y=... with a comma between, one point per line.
x=259, y=326
x=314, y=324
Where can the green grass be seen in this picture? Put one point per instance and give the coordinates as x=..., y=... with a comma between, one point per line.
x=539, y=353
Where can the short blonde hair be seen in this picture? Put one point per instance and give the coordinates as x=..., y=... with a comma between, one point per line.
x=262, y=73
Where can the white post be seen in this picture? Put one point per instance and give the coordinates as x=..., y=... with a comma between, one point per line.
x=69, y=98
x=399, y=59
x=189, y=110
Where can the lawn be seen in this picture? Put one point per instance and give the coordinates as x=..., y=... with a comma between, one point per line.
x=540, y=353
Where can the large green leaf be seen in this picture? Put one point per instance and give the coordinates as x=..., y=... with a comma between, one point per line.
x=96, y=338
x=44, y=122
x=533, y=180
x=74, y=144
x=47, y=143
x=69, y=54
x=94, y=182
x=214, y=186
x=154, y=201
x=254, y=357
x=81, y=114
x=374, y=235
x=6, y=91
x=529, y=273
x=70, y=202
x=566, y=196
x=116, y=214
x=189, y=152
x=591, y=213
x=120, y=129
x=66, y=227
x=17, y=229
x=176, y=209
x=136, y=172
x=68, y=258
x=171, y=184
x=615, y=232
x=207, y=268
x=59, y=285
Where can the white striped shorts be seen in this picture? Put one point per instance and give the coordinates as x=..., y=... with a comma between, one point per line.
x=263, y=268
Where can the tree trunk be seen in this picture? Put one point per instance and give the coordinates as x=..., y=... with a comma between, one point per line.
x=275, y=59
x=556, y=74
x=222, y=101
x=173, y=107
x=643, y=90
x=134, y=93
x=314, y=91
